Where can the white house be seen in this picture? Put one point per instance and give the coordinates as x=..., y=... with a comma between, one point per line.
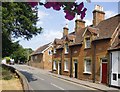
x=115, y=67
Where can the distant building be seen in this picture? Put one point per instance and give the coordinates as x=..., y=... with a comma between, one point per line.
x=42, y=57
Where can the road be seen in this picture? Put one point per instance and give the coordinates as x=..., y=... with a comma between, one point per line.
x=40, y=79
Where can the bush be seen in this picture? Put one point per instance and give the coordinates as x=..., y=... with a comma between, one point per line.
x=6, y=74
x=7, y=60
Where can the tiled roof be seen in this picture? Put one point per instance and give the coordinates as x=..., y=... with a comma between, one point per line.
x=104, y=29
x=58, y=41
x=108, y=26
x=79, y=34
x=40, y=49
x=93, y=30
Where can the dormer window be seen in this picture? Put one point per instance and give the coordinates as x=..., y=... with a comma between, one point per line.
x=66, y=48
x=87, y=42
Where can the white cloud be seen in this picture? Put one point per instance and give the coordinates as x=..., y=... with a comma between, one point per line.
x=109, y=14
x=52, y=34
x=88, y=22
x=42, y=14
x=42, y=39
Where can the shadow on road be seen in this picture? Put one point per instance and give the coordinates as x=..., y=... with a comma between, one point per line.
x=29, y=76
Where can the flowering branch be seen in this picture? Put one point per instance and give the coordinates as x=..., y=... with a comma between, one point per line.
x=70, y=8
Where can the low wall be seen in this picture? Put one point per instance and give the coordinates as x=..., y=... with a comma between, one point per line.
x=23, y=80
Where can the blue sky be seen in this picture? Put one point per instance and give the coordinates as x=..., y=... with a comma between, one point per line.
x=53, y=22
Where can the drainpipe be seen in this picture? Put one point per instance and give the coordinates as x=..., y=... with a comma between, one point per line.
x=94, y=63
x=61, y=64
x=110, y=68
x=71, y=62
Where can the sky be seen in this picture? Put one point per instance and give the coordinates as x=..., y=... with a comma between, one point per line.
x=53, y=21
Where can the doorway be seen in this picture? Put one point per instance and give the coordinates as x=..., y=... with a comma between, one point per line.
x=75, y=69
x=59, y=67
x=104, y=71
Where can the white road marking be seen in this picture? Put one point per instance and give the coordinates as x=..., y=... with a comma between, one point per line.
x=74, y=83
x=56, y=86
x=38, y=77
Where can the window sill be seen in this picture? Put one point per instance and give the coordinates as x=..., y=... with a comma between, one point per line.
x=89, y=73
x=66, y=52
x=54, y=69
x=66, y=70
x=87, y=48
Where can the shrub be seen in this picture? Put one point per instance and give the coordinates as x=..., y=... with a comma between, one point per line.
x=6, y=74
x=7, y=60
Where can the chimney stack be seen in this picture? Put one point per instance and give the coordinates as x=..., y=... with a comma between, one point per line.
x=98, y=15
x=65, y=30
x=79, y=24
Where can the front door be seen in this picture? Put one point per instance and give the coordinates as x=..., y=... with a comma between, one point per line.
x=75, y=70
x=104, y=72
x=59, y=68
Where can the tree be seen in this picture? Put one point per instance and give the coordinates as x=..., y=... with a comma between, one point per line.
x=20, y=53
x=18, y=20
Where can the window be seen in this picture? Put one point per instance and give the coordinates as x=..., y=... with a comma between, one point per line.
x=35, y=57
x=114, y=76
x=54, y=51
x=54, y=65
x=66, y=48
x=87, y=42
x=118, y=76
x=66, y=66
x=87, y=66
x=49, y=52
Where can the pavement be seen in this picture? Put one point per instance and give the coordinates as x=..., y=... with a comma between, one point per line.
x=97, y=86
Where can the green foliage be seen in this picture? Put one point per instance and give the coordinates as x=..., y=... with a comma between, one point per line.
x=18, y=20
x=20, y=53
x=7, y=59
x=6, y=74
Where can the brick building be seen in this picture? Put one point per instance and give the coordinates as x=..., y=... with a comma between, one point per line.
x=84, y=54
x=42, y=57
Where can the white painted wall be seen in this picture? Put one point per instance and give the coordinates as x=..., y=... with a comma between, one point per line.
x=119, y=67
x=115, y=67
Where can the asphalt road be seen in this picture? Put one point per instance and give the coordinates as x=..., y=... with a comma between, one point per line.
x=39, y=79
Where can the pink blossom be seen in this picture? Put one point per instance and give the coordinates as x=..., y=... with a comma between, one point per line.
x=33, y=4
x=56, y=6
x=79, y=8
x=69, y=15
x=48, y=5
x=83, y=13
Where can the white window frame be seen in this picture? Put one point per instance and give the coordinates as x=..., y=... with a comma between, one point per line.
x=54, y=65
x=66, y=48
x=54, y=51
x=86, y=67
x=49, y=52
x=66, y=65
x=86, y=43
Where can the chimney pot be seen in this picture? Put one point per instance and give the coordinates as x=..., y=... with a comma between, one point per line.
x=98, y=15
x=65, y=30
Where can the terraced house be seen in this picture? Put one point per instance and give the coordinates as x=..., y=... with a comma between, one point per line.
x=84, y=53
